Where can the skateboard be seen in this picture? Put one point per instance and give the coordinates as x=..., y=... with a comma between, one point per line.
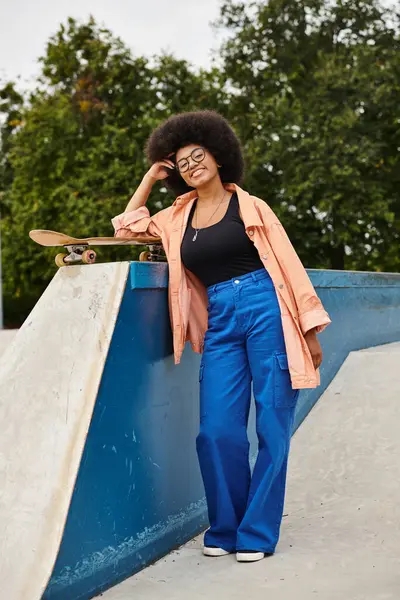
x=79, y=249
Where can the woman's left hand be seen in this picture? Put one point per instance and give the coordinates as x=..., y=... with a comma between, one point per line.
x=314, y=346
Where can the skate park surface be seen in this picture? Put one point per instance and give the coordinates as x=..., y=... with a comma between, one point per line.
x=341, y=531
x=6, y=337
x=101, y=476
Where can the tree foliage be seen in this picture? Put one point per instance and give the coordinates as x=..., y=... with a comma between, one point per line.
x=75, y=148
x=312, y=88
x=317, y=104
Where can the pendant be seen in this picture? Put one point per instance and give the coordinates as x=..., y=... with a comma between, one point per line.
x=195, y=235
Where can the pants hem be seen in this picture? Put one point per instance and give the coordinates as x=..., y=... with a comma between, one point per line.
x=265, y=550
x=230, y=549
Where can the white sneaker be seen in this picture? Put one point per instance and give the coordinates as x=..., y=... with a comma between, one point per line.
x=249, y=556
x=208, y=551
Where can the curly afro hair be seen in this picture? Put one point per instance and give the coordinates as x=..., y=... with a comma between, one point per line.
x=206, y=128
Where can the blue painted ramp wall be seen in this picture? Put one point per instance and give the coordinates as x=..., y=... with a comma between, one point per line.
x=139, y=491
x=365, y=311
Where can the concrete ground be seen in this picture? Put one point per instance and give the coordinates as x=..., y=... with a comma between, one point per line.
x=6, y=337
x=341, y=534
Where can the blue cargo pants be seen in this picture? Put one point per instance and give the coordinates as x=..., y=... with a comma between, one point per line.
x=244, y=344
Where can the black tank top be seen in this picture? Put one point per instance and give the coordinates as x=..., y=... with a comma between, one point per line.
x=221, y=251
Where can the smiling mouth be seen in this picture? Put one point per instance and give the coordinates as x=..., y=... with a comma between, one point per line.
x=197, y=172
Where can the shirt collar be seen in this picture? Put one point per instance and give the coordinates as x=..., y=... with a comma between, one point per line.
x=248, y=209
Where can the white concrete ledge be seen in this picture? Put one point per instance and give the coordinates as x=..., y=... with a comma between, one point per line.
x=49, y=379
x=6, y=337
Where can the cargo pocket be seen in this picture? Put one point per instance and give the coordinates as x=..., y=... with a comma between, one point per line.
x=284, y=395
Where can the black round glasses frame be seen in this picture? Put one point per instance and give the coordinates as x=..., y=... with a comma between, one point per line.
x=197, y=155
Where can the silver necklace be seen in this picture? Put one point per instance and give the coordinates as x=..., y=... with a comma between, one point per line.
x=198, y=228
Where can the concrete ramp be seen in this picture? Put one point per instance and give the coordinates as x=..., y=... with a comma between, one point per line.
x=98, y=468
x=6, y=337
x=341, y=531
x=49, y=378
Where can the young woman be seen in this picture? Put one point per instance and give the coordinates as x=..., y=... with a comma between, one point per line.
x=240, y=294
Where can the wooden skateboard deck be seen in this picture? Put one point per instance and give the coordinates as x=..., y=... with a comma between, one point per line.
x=79, y=248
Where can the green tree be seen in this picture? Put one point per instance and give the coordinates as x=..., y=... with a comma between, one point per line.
x=312, y=88
x=317, y=96
x=76, y=149
x=11, y=103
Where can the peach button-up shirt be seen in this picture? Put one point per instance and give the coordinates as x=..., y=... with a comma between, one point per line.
x=301, y=309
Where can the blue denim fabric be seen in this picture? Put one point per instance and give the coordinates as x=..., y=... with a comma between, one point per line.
x=244, y=345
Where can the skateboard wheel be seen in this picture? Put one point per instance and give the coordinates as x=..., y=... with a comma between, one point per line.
x=145, y=256
x=59, y=260
x=88, y=257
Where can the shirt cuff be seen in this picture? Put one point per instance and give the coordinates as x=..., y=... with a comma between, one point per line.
x=318, y=319
x=126, y=219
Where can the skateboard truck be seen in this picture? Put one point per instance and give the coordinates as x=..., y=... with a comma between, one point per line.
x=76, y=254
x=153, y=254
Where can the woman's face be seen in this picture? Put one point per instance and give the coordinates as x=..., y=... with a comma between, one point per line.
x=196, y=165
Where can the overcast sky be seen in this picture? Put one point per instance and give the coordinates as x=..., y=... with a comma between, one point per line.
x=146, y=26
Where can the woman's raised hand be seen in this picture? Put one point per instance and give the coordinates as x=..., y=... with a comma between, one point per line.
x=161, y=170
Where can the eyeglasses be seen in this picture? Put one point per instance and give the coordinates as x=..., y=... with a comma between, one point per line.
x=197, y=155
